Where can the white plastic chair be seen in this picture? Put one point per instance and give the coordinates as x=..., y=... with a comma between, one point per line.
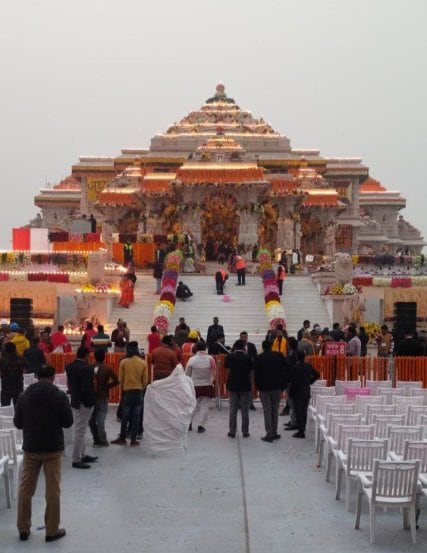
x=403, y=403
x=60, y=379
x=359, y=460
x=414, y=392
x=375, y=384
x=15, y=460
x=4, y=471
x=407, y=385
x=389, y=393
x=341, y=385
x=7, y=411
x=320, y=413
x=382, y=423
x=362, y=403
x=378, y=410
x=29, y=378
x=312, y=408
x=393, y=485
x=330, y=434
x=422, y=421
x=414, y=412
x=331, y=409
x=6, y=423
x=319, y=383
x=338, y=451
x=397, y=435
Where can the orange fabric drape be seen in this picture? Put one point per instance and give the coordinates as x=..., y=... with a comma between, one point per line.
x=142, y=254
x=77, y=246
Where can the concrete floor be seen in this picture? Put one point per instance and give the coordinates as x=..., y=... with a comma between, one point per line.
x=239, y=495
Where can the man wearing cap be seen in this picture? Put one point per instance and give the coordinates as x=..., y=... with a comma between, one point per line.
x=21, y=341
x=188, y=346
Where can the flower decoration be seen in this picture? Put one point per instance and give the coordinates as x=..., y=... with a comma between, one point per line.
x=274, y=309
x=165, y=308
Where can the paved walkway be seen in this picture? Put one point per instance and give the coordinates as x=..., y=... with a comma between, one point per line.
x=222, y=495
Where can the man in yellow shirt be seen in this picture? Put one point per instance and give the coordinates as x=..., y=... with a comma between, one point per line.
x=21, y=341
x=133, y=379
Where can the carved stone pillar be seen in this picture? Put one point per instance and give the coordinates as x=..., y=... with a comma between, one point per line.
x=248, y=228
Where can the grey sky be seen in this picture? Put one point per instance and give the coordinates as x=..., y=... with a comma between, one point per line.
x=93, y=76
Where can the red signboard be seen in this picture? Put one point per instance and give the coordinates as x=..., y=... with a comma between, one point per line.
x=335, y=348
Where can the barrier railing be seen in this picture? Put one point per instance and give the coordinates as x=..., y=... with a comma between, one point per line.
x=330, y=368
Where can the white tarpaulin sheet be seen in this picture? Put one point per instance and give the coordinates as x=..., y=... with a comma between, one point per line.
x=168, y=407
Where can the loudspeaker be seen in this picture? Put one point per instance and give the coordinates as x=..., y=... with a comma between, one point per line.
x=21, y=308
x=405, y=317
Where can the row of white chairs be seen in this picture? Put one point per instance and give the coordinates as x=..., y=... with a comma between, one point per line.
x=386, y=468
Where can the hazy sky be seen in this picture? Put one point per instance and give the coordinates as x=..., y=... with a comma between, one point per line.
x=92, y=76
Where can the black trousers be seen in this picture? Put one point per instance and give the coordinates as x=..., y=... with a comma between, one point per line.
x=301, y=407
x=219, y=284
x=241, y=274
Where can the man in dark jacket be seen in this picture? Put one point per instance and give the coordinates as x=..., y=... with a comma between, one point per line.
x=239, y=366
x=270, y=379
x=105, y=379
x=303, y=376
x=82, y=389
x=34, y=356
x=42, y=412
x=214, y=330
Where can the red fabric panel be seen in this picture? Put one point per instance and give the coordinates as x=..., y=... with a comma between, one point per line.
x=21, y=238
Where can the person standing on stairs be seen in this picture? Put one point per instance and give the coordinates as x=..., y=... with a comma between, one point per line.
x=241, y=270
x=221, y=277
x=214, y=330
x=281, y=273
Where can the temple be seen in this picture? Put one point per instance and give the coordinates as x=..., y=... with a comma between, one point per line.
x=220, y=174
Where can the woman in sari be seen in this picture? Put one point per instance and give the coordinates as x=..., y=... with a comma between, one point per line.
x=127, y=296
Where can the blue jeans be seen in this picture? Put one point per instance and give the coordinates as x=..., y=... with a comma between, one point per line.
x=131, y=410
x=97, y=420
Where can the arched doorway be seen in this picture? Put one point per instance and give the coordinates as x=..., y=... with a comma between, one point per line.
x=219, y=222
x=267, y=227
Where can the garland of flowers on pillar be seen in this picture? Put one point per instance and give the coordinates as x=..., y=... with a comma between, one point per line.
x=164, y=309
x=274, y=309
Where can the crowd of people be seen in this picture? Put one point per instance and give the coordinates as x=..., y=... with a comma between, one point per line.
x=279, y=371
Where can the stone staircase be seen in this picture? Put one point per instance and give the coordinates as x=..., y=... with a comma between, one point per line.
x=244, y=311
x=139, y=316
x=302, y=301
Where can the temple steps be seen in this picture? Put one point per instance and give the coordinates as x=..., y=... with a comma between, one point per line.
x=245, y=311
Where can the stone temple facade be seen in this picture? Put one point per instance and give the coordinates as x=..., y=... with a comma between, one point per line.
x=221, y=174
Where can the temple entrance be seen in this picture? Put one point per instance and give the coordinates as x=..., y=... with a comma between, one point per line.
x=313, y=235
x=219, y=223
x=128, y=224
x=267, y=227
